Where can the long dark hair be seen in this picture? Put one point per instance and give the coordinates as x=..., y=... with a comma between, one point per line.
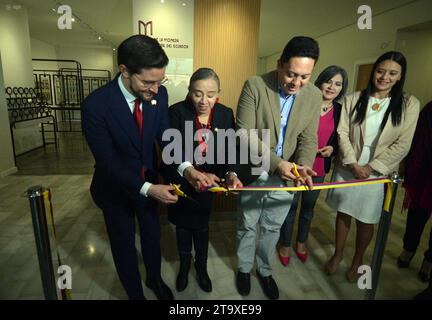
x=329, y=73
x=397, y=103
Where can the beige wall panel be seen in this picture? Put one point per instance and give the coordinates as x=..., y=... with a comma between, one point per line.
x=226, y=39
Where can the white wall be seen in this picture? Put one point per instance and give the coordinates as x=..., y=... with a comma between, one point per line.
x=15, y=48
x=171, y=20
x=7, y=165
x=90, y=58
x=350, y=46
x=417, y=47
x=43, y=50
x=17, y=69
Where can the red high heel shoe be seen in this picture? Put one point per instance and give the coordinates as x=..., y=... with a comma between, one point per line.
x=284, y=260
x=302, y=256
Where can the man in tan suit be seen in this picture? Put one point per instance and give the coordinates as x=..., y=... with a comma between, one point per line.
x=284, y=103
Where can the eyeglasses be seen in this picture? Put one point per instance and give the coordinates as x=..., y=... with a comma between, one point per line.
x=148, y=84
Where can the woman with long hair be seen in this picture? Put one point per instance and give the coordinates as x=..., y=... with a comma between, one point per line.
x=375, y=133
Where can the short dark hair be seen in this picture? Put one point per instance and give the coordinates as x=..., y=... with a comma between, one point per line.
x=329, y=73
x=300, y=47
x=203, y=74
x=141, y=52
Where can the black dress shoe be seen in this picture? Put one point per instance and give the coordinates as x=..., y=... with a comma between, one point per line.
x=243, y=283
x=425, y=294
x=404, y=263
x=425, y=271
x=160, y=289
x=269, y=286
x=182, y=281
x=203, y=278
x=182, y=277
x=204, y=281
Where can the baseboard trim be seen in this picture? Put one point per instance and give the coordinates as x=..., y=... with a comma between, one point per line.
x=8, y=172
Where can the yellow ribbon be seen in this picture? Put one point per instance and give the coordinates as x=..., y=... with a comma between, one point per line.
x=386, y=181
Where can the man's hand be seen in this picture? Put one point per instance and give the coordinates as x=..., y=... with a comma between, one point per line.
x=326, y=151
x=197, y=179
x=285, y=170
x=361, y=172
x=162, y=193
x=233, y=181
x=306, y=174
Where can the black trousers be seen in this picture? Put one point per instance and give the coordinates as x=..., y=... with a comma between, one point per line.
x=120, y=224
x=416, y=221
x=308, y=201
x=200, y=239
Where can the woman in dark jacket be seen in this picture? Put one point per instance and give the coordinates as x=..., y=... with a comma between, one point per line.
x=199, y=118
x=418, y=190
x=332, y=82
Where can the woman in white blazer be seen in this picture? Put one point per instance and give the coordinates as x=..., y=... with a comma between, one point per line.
x=375, y=133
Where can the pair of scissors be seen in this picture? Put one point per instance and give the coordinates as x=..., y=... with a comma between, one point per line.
x=221, y=188
x=297, y=174
x=180, y=193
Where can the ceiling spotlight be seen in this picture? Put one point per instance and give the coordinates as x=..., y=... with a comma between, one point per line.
x=99, y=38
x=162, y=1
x=184, y=4
x=73, y=19
x=114, y=49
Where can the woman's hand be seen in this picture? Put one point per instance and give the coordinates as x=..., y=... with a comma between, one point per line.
x=326, y=151
x=214, y=180
x=233, y=181
x=197, y=179
x=361, y=172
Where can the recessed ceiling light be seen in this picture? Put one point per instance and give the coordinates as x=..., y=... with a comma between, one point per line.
x=184, y=4
x=162, y=1
x=99, y=38
x=73, y=19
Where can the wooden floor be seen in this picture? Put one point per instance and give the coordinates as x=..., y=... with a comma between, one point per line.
x=84, y=246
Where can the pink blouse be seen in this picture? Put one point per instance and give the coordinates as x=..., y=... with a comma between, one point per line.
x=325, y=130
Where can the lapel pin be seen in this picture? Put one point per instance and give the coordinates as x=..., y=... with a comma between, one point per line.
x=153, y=102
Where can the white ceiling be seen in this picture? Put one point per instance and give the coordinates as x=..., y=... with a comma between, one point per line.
x=280, y=20
x=283, y=19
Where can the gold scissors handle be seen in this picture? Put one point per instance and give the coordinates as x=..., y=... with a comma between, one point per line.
x=177, y=190
x=297, y=174
x=180, y=193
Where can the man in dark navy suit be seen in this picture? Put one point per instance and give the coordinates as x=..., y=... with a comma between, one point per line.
x=121, y=122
